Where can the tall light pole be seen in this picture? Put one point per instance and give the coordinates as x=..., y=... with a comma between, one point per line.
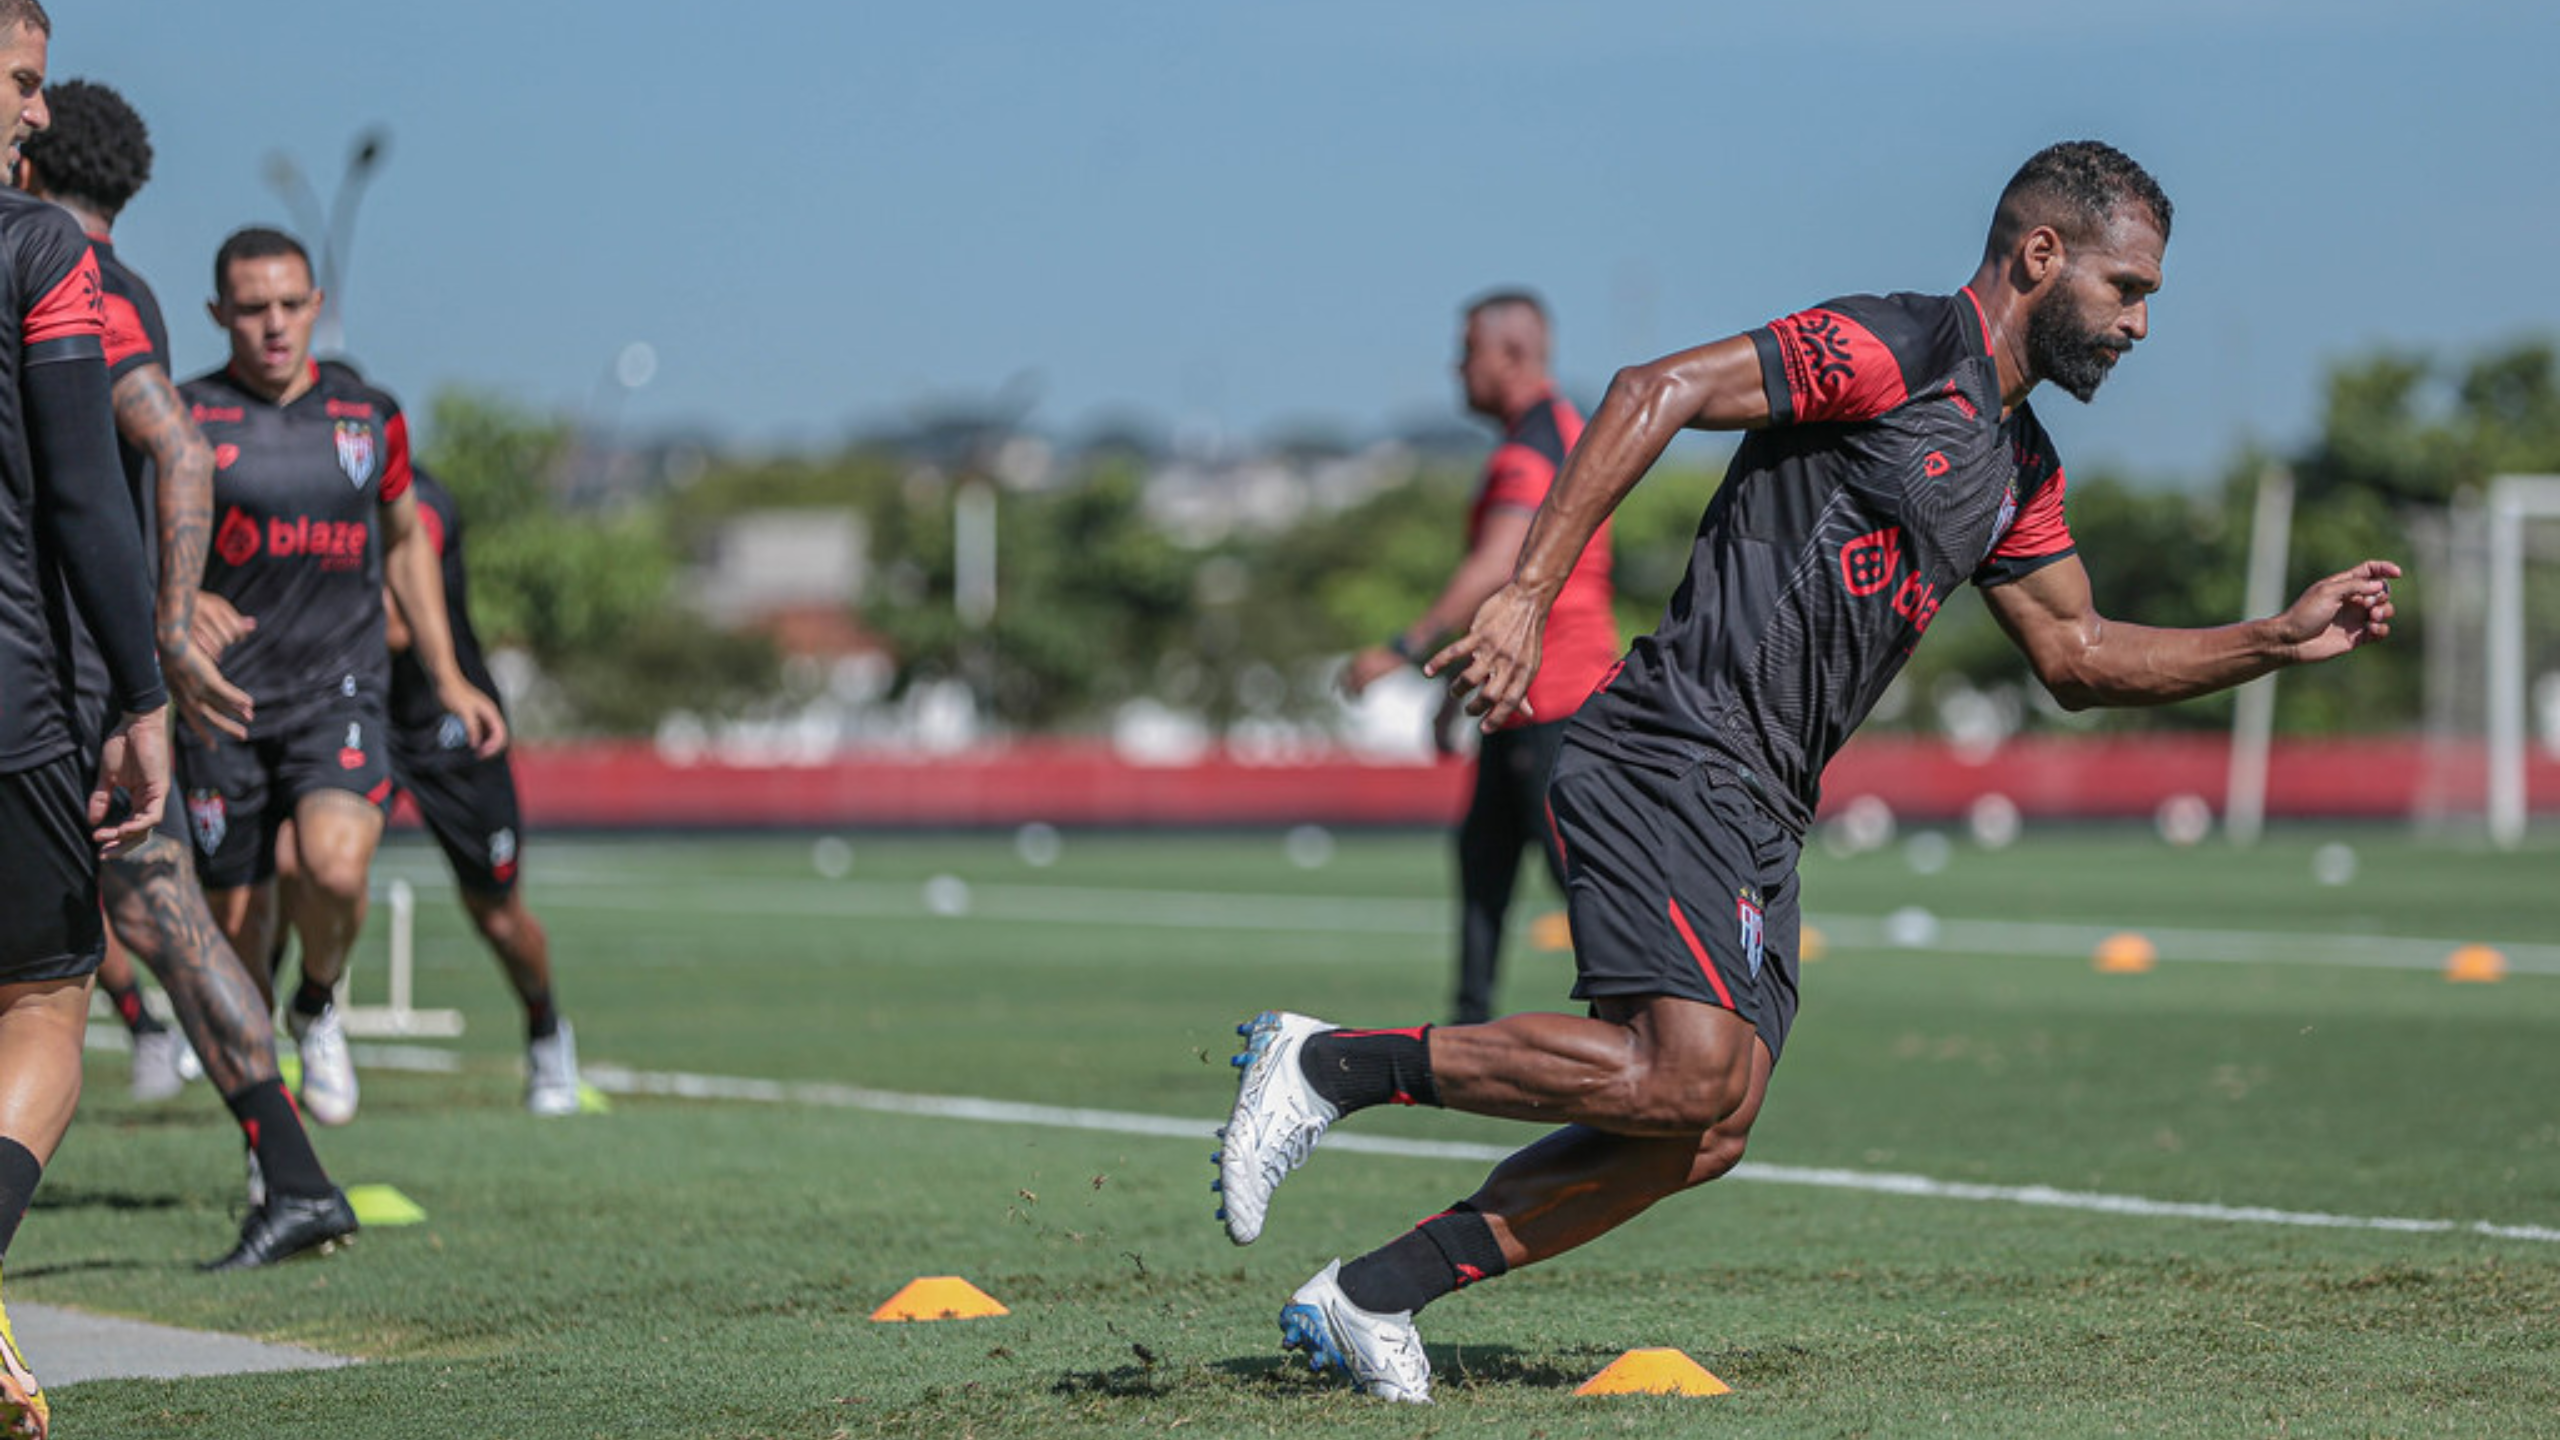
x=331, y=227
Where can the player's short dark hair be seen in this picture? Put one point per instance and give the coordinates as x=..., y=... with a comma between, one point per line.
x=1507, y=300
x=254, y=242
x=2076, y=187
x=96, y=153
x=29, y=13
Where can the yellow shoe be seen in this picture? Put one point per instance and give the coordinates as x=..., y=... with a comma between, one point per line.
x=22, y=1409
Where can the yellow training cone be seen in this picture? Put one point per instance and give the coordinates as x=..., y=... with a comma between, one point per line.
x=2125, y=953
x=1654, y=1372
x=1551, y=931
x=2475, y=964
x=379, y=1205
x=939, y=1297
x=1812, y=945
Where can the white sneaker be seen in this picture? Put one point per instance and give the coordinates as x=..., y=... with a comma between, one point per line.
x=1278, y=1119
x=157, y=1074
x=1381, y=1353
x=328, y=1071
x=551, y=1074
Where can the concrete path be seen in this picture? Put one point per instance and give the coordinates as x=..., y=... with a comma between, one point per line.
x=69, y=1346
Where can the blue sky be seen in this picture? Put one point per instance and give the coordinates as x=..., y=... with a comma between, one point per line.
x=1251, y=217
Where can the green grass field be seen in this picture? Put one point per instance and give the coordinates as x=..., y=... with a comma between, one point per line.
x=706, y=1267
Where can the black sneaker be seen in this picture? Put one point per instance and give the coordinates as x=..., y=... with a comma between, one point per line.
x=290, y=1225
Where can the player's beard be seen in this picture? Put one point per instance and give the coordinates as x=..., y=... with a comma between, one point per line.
x=2067, y=352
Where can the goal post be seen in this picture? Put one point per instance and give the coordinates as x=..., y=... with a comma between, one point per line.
x=2514, y=501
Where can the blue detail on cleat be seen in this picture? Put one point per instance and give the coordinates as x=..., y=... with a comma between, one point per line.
x=1302, y=1327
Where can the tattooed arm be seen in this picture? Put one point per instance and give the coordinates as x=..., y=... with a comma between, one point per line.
x=152, y=419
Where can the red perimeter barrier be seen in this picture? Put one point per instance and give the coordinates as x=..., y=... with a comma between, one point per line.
x=632, y=786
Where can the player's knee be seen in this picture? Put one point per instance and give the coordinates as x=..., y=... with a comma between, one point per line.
x=1719, y=1150
x=340, y=878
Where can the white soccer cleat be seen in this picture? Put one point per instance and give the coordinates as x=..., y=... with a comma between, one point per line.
x=1382, y=1354
x=157, y=1071
x=551, y=1074
x=328, y=1071
x=1278, y=1119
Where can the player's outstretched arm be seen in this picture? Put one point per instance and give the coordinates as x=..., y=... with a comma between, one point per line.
x=2086, y=659
x=416, y=583
x=1713, y=387
x=153, y=419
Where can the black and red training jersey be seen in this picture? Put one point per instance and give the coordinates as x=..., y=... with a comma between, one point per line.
x=136, y=336
x=1887, y=477
x=297, y=489
x=421, y=727
x=49, y=307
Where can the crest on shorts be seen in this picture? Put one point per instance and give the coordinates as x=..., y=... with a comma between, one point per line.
x=1746, y=914
x=208, y=818
x=355, y=450
x=502, y=854
x=452, y=733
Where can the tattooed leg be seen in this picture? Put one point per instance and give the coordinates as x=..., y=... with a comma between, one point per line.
x=161, y=916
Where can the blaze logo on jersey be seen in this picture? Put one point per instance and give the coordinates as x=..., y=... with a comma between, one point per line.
x=1747, y=922
x=355, y=450
x=237, y=541
x=208, y=818
x=1868, y=562
x=351, y=755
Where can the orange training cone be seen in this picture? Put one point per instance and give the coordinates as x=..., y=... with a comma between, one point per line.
x=2125, y=953
x=1551, y=931
x=2476, y=965
x=939, y=1297
x=1654, y=1372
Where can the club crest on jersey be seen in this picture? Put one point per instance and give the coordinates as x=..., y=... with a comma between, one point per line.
x=355, y=450
x=1746, y=914
x=208, y=818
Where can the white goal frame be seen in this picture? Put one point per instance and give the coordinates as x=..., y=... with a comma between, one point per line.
x=2513, y=501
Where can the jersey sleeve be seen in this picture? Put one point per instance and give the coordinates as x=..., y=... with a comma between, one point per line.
x=1828, y=363
x=1517, y=478
x=395, y=464
x=2037, y=535
x=66, y=317
x=128, y=342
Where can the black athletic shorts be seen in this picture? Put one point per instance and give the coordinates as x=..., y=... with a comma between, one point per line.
x=237, y=795
x=1678, y=885
x=469, y=804
x=50, y=925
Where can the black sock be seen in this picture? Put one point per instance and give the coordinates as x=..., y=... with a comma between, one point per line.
x=19, y=1172
x=310, y=999
x=541, y=1022
x=130, y=1009
x=276, y=1137
x=1358, y=1068
x=1444, y=1253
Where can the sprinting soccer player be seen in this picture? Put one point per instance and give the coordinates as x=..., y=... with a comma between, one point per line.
x=1891, y=456
x=1503, y=368
x=64, y=522
x=91, y=161
x=314, y=518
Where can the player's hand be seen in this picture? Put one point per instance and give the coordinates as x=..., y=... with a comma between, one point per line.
x=1369, y=667
x=217, y=625
x=1490, y=666
x=479, y=713
x=133, y=767
x=2349, y=609
x=211, y=705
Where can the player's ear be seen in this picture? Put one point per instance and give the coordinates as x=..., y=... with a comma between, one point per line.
x=2040, y=257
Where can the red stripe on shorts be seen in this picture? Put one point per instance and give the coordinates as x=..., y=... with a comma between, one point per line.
x=1697, y=951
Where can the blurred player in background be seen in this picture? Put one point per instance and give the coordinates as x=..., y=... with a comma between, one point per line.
x=1892, y=457
x=91, y=161
x=314, y=520
x=67, y=534
x=1503, y=368
x=468, y=801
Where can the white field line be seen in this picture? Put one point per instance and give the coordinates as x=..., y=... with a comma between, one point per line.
x=1371, y=915
x=619, y=1081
